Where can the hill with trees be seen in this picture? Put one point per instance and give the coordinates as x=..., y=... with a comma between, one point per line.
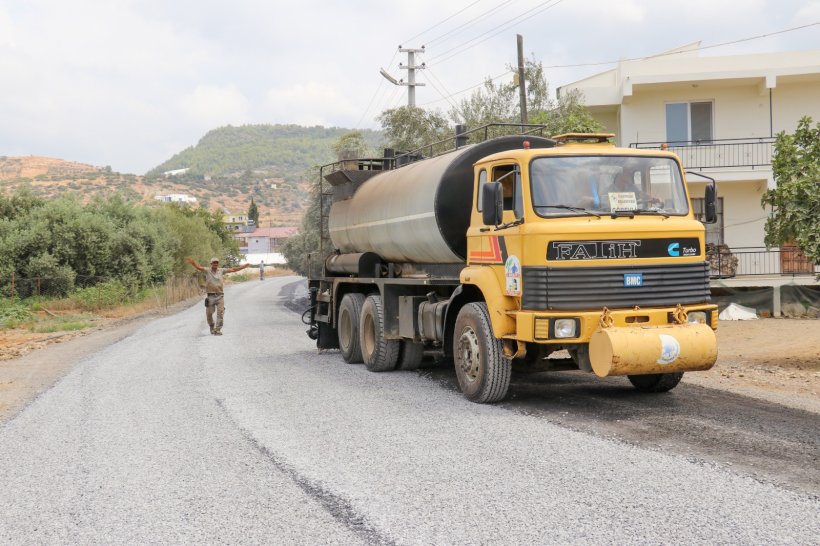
x=283, y=151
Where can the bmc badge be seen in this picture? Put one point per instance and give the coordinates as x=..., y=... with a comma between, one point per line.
x=512, y=272
x=633, y=279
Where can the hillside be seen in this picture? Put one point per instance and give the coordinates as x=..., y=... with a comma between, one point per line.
x=280, y=202
x=282, y=151
x=227, y=168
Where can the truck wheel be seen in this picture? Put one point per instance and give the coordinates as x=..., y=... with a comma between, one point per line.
x=656, y=382
x=379, y=354
x=350, y=312
x=482, y=370
x=410, y=355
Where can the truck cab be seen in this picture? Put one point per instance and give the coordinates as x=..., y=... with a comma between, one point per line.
x=567, y=239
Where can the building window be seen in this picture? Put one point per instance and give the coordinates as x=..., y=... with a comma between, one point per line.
x=714, y=232
x=688, y=121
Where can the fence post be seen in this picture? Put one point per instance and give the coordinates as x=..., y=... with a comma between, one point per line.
x=38, y=287
x=12, y=284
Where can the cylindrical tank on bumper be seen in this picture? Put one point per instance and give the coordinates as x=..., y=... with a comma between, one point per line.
x=639, y=350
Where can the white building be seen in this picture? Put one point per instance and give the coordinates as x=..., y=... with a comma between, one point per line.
x=176, y=172
x=176, y=198
x=719, y=114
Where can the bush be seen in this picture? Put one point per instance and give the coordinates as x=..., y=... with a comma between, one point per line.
x=12, y=313
x=102, y=295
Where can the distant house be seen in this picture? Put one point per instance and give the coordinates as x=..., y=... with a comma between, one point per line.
x=176, y=198
x=236, y=222
x=176, y=172
x=264, y=244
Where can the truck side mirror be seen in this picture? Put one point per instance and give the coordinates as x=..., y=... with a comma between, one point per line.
x=709, y=208
x=492, y=199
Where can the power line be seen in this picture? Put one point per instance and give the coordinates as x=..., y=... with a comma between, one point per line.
x=442, y=21
x=378, y=88
x=468, y=88
x=448, y=95
x=461, y=28
x=722, y=44
x=532, y=12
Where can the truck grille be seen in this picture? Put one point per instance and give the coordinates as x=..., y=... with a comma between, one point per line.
x=589, y=288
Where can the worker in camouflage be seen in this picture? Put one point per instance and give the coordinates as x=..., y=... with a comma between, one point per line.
x=215, y=299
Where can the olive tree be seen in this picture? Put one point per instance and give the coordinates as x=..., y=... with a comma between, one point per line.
x=795, y=202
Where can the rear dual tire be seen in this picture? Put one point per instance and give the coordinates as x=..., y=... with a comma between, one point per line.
x=350, y=314
x=379, y=354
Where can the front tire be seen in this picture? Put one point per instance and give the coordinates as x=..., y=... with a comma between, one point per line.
x=350, y=313
x=482, y=370
x=657, y=382
x=379, y=354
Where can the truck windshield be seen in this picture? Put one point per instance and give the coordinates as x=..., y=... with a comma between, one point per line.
x=576, y=185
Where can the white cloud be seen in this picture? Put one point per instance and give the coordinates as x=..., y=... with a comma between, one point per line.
x=123, y=82
x=310, y=103
x=210, y=106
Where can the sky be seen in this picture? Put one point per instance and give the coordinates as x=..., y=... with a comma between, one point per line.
x=129, y=83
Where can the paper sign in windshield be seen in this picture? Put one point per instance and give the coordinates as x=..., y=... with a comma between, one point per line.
x=623, y=200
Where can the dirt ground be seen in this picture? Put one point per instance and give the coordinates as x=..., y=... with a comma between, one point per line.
x=777, y=360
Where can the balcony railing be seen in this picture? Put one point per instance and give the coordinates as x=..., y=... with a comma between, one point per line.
x=787, y=261
x=715, y=154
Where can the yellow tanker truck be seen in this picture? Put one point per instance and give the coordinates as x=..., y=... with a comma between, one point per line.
x=500, y=253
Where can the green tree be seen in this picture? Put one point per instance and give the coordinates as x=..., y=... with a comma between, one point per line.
x=302, y=251
x=795, y=201
x=500, y=103
x=253, y=213
x=351, y=145
x=408, y=128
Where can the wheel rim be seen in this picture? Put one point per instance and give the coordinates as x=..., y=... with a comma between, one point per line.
x=345, y=330
x=470, y=354
x=369, y=335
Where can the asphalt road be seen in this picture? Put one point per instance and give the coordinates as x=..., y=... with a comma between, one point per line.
x=175, y=436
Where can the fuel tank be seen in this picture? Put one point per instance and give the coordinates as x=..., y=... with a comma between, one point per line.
x=418, y=213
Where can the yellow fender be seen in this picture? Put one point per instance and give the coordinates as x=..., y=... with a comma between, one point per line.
x=486, y=280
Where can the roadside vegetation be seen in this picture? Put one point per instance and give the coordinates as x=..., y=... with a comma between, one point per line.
x=65, y=264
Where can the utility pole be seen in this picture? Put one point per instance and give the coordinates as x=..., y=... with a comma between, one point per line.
x=522, y=89
x=411, y=68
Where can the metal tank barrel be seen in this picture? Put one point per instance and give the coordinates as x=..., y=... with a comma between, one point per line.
x=418, y=213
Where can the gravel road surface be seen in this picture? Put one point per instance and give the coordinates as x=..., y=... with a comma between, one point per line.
x=175, y=436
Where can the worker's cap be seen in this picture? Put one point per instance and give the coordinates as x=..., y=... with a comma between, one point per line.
x=214, y=260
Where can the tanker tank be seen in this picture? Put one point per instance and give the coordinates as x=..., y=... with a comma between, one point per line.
x=418, y=213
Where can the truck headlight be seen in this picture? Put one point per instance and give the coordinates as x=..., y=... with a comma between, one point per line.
x=566, y=327
x=698, y=317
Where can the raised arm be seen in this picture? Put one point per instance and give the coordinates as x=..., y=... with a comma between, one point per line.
x=193, y=263
x=235, y=269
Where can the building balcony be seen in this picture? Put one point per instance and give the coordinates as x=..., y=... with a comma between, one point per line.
x=787, y=261
x=749, y=153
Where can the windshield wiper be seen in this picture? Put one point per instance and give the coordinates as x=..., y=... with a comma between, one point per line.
x=654, y=210
x=567, y=207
